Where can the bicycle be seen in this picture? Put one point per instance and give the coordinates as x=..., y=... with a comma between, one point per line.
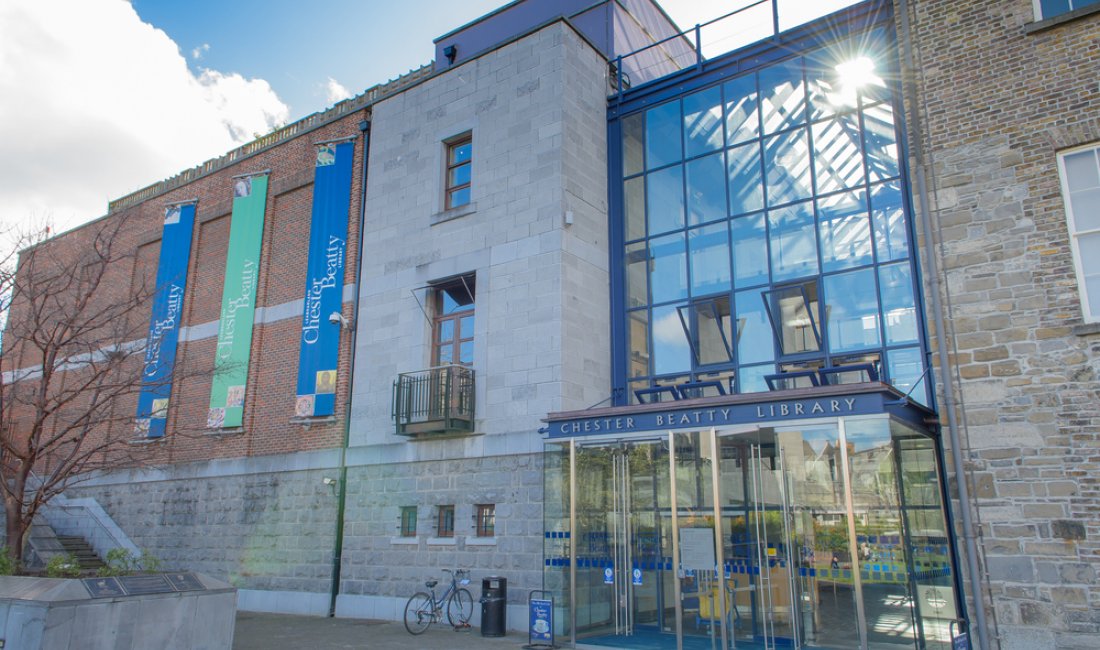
x=423, y=609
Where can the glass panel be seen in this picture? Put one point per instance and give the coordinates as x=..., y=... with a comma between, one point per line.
x=671, y=352
x=851, y=308
x=703, y=121
x=662, y=135
x=668, y=268
x=710, y=259
x=782, y=96
x=1086, y=209
x=638, y=333
x=665, y=200
x=633, y=153
x=466, y=353
x=459, y=175
x=751, y=379
x=446, y=355
x=1054, y=7
x=838, y=164
x=742, y=112
x=823, y=88
x=634, y=207
x=787, y=165
x=793, y=242
x=750, y=250
x=1092, y=291
x=458, y=197
x=845, y=231
x=1089, y=245
x=699, y=583
x=755, y=342
x=881, y=142
x=466, y=327
x=712, y=327
x=898, y=307
x=746, y=182
x=446, y=331
x=461, y=153
x=905, y=369
x=1082, y=172
x=637, y=274
x=706, y=192
x=888, y=219
x=794, y=314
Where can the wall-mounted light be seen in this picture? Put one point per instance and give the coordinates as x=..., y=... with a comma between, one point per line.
x=451, y=51
x=336, y=318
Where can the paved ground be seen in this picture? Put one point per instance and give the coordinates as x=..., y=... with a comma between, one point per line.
x=267, y=631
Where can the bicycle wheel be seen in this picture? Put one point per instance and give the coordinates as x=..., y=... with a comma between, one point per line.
x=418, y=613
x=460, y=607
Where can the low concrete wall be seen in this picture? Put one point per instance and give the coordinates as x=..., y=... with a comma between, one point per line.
x=53, y=614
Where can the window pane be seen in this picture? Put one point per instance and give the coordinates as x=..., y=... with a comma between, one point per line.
x=905, y=370
x=633, y=153
x=446, y=355
x=466, y=327
x=794, y=314
x=753, y=333
x=787, y=164
x=706, y=190
x=852, y=310
x=1082, y=172
x=446, y=331
x=712, y=327
x=710, y=259
x=458, y=197
x=662, y=135
x=460, y=153
x=888, y=218
x=665, y=200
x=668, y=268
x=782, y=96
x=638, y=325
x=1089, y=246
x=459, y=175
x=837, y=161
x=745, y=179
x=793, y=242
x=898, y=307
x=823, y=89
x=742, y=112
x=751, y=379
x=1092, y=293
x=466, y=353
x=671, y=352
x=882, y=146
x=703, y=121
x=637, y=267
x=634, y=207
x=750, y=251
x=845, y=231
x=1086, y=209
x=1054, y=7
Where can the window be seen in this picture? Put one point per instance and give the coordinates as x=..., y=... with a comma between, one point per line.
x=453, y=325
x=459, y=165
x=1050, y=8
x=485, y=520
x=445, y=522
x=408, y=521
x=1080, y=170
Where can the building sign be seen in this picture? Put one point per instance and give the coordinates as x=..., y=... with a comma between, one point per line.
x=324, y=292
x=242, y=266
x=164, y=324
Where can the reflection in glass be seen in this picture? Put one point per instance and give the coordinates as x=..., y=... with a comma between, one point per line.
x=662, y=135
x=712, y=331
x=793, y=314
x=838, y=164
x=751, y=379
x=787, y=165
x=845, y=231
x=852, y=308
x=898, y=307
x=633, y=153
x=710, y=259
x=746, y=181
x=750, y=250
x=671, y=352
x=703, y=122
x=706, y=191
x=638, y=326
x=753, y=333
x=634, y=207
x=793, y=242
x=882, y=145
x=782, y=96
x=668, y=268
x=637, y=275
x=906, y=373
x=665, y=200
x=888, y=218
x=742, y=112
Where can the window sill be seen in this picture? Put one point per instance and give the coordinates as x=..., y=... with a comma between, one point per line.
x=454, y=213
x=219, y=433
x=442, y=541
x=1086, y=329
x=481, y=541
x=405, y=541
x=148, y=441
x=1060, y=19
x=307, y=422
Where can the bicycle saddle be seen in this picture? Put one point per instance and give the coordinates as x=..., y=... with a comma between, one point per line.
x=431, y=583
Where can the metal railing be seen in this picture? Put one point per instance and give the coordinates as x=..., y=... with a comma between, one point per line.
x=438, y=400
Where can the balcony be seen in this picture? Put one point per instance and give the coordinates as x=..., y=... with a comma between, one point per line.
x=436, y=401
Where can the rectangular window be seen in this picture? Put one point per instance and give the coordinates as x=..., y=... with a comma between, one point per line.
x=459, y=166
x=486, y=520
x=1050, y=8
x=445, y=522
x=408, y=521
x=1080, y=170
x=453, y=324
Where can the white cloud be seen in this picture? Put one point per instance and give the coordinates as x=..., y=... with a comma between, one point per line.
x=199, y=51
x=335, y=92
x=95, y=104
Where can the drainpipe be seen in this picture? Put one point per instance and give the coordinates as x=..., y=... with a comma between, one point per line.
x=342, y=482
x=972, y=566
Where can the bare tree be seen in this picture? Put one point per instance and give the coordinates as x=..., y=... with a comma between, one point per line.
x=77, y=312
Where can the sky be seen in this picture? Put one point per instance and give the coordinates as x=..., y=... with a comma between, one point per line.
x=99, y=98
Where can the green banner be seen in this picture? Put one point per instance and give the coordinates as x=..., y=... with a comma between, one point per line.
x=242, y=264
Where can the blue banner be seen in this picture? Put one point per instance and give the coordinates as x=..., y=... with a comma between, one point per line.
x=322, y=317
x=164, y=324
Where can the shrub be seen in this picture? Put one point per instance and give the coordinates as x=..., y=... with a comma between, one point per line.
x=62, y=566
x=8, y=566
x=121, y=562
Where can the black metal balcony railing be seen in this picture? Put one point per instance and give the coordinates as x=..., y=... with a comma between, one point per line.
x=434, y=401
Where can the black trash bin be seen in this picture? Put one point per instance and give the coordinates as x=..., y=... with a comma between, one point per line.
x=494, y=598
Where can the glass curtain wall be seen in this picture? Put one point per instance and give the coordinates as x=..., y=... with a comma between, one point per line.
x=766, y=228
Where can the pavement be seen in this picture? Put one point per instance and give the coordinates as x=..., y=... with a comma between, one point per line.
x=255, y=631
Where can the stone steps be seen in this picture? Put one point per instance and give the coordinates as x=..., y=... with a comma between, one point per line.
x=79, y=548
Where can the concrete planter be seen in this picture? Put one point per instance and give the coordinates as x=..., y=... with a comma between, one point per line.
x=55, y=614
